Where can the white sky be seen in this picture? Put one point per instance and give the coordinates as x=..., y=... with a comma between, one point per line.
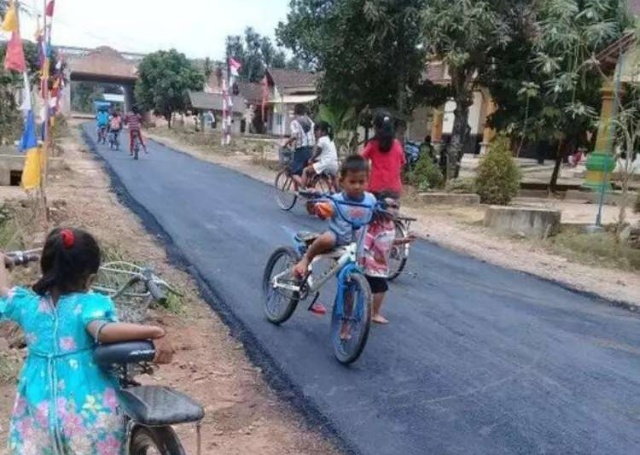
x=196, y=27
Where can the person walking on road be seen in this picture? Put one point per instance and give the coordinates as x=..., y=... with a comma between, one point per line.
x=386, y=156
x=302, y=138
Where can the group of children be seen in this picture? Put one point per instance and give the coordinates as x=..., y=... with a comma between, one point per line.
x=65, y=403
x=112, y=123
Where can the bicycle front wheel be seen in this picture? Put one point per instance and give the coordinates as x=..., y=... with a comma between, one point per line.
x=285, y=191
x=399, y=253
x=280, y=303
x=351, y=319
x=155, y=441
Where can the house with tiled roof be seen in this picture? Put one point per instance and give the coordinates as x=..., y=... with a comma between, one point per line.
x=283, y=91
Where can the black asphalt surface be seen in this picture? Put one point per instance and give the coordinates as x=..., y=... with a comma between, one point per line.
x=477, y=359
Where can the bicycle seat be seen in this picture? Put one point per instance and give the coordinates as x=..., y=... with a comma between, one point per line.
x=307, y=237
x=159, y=406
x=129, y=352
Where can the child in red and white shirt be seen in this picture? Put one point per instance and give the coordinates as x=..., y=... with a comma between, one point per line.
x=378, y=243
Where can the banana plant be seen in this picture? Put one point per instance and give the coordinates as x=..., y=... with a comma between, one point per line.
x=344, y=121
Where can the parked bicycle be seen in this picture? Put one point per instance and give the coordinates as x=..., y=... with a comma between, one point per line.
x=133, y=289
x=149, y=410
x=351, y=313
x=287, y=191
x=400, y=253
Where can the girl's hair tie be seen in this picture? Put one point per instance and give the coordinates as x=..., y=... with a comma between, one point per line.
x=68, y=238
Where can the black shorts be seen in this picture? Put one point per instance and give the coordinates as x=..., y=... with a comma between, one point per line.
x=377, y=284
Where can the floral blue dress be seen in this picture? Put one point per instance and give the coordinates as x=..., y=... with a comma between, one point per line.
x=65, y=404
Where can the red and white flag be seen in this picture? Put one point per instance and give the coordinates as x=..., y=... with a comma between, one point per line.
x=234, y=67
x=14, y=58
x=50, y=8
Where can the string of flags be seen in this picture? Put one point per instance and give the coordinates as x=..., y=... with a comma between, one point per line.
x=51, y=88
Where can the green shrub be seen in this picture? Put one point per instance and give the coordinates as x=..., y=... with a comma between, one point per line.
x=498, y=177
x=461, y=186
x=425, y=175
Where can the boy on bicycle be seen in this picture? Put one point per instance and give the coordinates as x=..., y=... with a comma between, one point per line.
x=354, y=176
x=102, y=119
x=115, y=125
x=134, y=121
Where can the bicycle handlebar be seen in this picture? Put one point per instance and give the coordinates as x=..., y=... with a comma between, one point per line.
x=153, y=288
x=19, y=258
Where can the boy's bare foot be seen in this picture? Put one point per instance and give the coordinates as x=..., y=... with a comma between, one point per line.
x=301, y=268
x=379, y=319
x=345, y=331
x=318, y=309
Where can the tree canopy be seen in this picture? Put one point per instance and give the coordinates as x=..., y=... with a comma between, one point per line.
x=369, y=50
x=256, y=53
x=165, y=77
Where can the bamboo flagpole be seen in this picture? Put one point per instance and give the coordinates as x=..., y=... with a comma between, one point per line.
x=45, y=75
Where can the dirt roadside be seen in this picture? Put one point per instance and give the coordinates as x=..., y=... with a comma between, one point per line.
x=456, y=229
x=243, y=416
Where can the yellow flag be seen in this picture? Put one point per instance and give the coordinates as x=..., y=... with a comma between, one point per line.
x=10, y=22
x=32, y=171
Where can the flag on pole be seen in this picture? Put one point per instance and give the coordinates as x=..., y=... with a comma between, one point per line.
x=14, y=57
x=265, y=96
x=50, y=7
x=10, y=22
x=32, y=171
x=234, y=67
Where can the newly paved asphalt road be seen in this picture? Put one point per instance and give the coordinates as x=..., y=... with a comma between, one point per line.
x=477, y=359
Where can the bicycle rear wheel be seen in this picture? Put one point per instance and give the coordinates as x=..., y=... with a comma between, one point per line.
x=351, y=319
x=279, y=303
x=285, y=191
x=155, y=441
x=399, y=253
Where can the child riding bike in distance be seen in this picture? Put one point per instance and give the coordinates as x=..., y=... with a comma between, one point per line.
x=134, y=121
x=378, y=243
x=354, y=176
x=102, y=120
x=65, y=403
x=324, y=158
x=115, y=126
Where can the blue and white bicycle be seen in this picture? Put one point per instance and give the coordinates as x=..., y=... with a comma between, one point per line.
x=351, y=313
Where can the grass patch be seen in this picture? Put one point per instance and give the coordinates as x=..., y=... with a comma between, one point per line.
x=596, y=249
x=9, y=368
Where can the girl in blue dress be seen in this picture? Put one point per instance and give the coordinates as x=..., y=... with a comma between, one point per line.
x=65, y=404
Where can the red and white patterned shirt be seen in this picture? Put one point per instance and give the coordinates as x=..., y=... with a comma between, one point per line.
x=377, y=248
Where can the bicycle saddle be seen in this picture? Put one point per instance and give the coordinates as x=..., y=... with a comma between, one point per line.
x=128, y=352
x=159, y=406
